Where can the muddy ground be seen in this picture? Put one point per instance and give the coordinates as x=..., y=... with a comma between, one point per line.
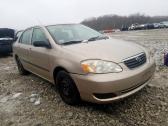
x=31, y=101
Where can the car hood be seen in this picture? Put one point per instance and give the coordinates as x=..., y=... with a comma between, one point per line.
x=110, y=49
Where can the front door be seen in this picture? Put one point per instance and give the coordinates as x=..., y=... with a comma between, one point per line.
x=39, y=56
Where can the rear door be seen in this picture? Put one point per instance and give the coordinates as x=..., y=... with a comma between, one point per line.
x=24, y=46
x=39, y=56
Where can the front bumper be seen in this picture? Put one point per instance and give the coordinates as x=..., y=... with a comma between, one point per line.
x=116, y=85
x=5, y=49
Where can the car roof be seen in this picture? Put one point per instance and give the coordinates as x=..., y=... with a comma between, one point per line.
x=44, y=26
x=62, y=24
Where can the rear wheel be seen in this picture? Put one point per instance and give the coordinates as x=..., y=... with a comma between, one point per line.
x=67, y=88
x=21, y=69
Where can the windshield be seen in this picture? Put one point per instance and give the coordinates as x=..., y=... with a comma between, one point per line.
x=72, y=33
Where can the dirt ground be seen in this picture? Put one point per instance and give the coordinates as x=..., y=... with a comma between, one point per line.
x=31, y=101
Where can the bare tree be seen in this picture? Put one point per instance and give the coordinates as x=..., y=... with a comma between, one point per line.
x=115, y=21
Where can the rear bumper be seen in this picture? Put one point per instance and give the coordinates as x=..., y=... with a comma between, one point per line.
x=5, y=49
x=98, y=88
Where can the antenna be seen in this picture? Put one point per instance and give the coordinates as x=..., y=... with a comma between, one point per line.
x=37, y=20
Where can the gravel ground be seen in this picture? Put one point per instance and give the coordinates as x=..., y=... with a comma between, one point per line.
x=31, y=101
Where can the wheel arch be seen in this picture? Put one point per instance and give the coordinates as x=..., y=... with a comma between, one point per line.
x=15, y=56
x=57, y=70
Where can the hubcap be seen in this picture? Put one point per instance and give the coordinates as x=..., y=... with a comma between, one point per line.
x=66, y=88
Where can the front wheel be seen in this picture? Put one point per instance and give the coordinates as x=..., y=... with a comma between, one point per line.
x=67, y=88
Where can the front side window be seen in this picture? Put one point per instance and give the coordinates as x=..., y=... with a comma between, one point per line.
x=38, y=35
x=71, y=32
x=26, y=37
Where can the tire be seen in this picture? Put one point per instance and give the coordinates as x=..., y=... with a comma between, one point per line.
x=67, y=88
x=21, y=69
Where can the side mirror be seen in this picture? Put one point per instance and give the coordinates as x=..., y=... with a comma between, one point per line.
x=15, y=38
x=42, y=44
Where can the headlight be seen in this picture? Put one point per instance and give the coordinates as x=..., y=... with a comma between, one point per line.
x=100, y=66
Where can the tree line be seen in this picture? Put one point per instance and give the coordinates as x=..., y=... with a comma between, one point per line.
x=107, y=22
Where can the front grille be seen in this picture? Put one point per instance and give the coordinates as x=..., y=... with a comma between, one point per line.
x=135, y=61
x=5, y=42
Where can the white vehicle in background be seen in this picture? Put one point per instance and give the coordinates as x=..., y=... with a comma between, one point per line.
x=165, y=24
x=156, y=25
x=134, y=27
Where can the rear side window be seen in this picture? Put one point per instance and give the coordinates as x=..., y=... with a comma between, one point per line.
x=38, y=35
x=26, y=37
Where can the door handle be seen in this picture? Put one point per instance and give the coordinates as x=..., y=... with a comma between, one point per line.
x=30, y=48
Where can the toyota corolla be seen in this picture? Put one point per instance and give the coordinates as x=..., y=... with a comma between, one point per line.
x=83, y=63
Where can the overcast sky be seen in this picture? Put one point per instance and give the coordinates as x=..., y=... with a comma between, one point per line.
x=24, y=13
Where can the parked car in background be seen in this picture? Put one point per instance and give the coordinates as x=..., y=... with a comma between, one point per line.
x=7, y=37
x=142, y=26
x=156, y=25
x=150, y=26
x=108, y=31
x=162, y=25
x=138, y=26
x=83, y=63
x=124, y=28
x=165, y=24
x=134, y=26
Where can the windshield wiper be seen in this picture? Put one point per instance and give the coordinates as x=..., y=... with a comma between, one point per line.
x=93, y=38
x=80, y=41
x=71, y=42
x=98, y=38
